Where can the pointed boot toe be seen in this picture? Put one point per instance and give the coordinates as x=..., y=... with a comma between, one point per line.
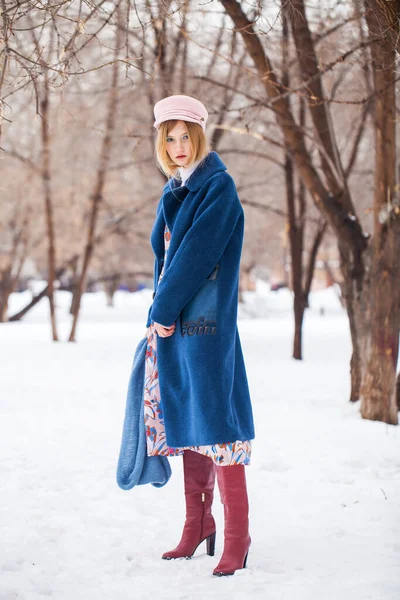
x=186, y=550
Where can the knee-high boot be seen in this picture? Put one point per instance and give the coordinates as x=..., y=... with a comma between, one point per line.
x=233, y=491
x=199, y=481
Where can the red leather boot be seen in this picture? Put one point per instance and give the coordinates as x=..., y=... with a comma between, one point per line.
x=233, y=491
x=199, y=481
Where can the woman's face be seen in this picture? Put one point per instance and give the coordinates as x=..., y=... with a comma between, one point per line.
x=178, y=144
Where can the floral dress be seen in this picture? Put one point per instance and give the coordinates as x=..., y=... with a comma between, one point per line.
x=232, y=453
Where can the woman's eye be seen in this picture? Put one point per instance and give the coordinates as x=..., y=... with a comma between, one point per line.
x=186, y=137
x=169, y=139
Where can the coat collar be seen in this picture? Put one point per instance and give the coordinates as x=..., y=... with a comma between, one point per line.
x=210, y=165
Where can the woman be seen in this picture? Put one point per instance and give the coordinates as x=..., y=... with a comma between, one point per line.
x=197, y=400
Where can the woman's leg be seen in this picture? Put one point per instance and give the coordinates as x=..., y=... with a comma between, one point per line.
x=199, y=481
x=233, y=491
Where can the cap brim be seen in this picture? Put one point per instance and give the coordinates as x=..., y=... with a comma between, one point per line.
x=178, y=117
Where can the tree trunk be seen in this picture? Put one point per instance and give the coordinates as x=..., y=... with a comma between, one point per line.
x=398, y=391
x=355, y=361
x=5, y=291
x=74, y=308
x=161, y=46
x=96, y=196
x=379, y=379
x=295, y=225
x=299, y=308
x=15, y=260
x=9, y=281
x=111, y=286
x=4, y=57
x=296, y=242
x=46, y=178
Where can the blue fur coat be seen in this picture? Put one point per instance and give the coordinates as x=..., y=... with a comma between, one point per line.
x=203, y=385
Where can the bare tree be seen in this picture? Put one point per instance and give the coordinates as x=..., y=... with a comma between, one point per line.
x=46, y=177
x=332, y=198
x=97, y=193
x=296, y=218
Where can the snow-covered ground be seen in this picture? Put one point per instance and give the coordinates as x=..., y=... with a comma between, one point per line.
x=324, y=485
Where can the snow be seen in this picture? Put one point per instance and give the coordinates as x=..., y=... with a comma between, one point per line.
x=324, y=484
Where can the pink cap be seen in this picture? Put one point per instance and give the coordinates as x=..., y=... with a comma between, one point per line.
x=182, y=108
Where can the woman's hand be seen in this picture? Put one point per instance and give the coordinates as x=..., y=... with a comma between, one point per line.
x=164, y=331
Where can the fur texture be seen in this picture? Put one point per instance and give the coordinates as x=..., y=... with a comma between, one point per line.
x=202, y=376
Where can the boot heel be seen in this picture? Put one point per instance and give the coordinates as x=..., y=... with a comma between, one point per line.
x=210, y=541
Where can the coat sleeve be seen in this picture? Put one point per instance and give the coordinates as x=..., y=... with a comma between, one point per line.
x=200, y=250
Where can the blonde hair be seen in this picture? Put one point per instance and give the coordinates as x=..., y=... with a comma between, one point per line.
x=198, y=144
